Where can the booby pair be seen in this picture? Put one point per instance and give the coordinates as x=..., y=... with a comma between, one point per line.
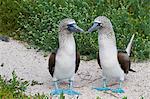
x=64, y=63
x=113, y=63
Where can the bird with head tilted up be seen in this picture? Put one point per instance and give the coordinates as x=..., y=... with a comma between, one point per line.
x=108, y=54
x=64, y=63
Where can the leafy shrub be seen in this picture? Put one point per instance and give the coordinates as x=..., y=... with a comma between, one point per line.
x=12, y=88
x=15, y=88
x=38, y=23
x=9, y=12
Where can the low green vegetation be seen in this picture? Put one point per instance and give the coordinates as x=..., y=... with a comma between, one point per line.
x=12, y=88
x=15, y=88
x=124, y=97
x=36, y=22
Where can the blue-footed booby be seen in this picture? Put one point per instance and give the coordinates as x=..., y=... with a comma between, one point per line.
x=108, y=54
x=64, y=63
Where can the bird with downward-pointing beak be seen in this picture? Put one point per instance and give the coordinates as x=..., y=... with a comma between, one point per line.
x=64, y=63
x=108, y=54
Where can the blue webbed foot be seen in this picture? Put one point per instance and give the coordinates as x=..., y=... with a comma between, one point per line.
x=56, y=91
x=102, y=89
x=118, y=90
x=71, y=92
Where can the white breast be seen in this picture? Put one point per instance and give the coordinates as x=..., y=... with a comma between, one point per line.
x=65, y=60
x=108, y=57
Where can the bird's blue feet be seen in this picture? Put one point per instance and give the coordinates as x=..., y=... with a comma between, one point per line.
x=102, y=89
x=118, y=90
x=57, y=91
x=71, y=92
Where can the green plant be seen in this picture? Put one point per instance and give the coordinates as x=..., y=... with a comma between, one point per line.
x=12, y=88
x=9, y=13
x=124, y=97
x=142, y=97
x=98, y=97
x=15, y=88
x=62, y=96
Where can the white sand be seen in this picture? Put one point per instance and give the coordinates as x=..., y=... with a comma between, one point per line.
x=31, y=65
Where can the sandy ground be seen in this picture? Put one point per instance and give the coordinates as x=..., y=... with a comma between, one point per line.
x=32, y=66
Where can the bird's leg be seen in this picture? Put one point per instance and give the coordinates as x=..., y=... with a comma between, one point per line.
x=119, y=89
x=120, y=84
x=70, y=84
x=70, y=91
x=56, y=91
x=56, y=85
x=104, y=83
x=104, y=88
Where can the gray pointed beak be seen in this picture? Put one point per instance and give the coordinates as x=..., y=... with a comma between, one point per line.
x=94, y=27
x=78, y=29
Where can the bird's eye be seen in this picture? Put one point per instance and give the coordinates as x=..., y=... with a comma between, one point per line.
x=100, y=24
x=71, y=25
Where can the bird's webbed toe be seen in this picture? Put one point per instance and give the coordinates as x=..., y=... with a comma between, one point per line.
x=57, y=91
x=102, y=88
x=71, y=92
x=118, y=90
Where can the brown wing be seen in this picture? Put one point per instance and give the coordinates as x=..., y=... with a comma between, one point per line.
x=124, y=61
x=77, y=61
x=51, y=63
x=98, y=60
